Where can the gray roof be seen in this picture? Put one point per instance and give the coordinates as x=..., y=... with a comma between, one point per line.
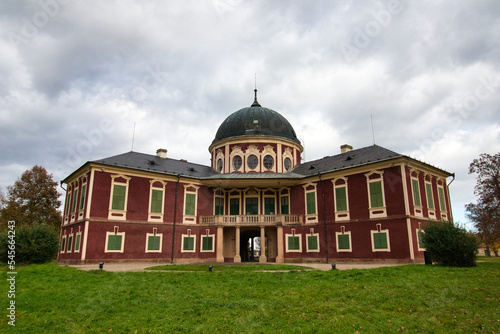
x=153, y=163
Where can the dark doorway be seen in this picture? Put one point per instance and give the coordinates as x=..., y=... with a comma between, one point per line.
x=248, y=247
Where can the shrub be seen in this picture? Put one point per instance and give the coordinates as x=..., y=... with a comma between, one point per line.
x=449, y=245
x=35, y=244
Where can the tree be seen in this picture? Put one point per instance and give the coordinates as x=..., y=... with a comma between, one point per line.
x=32, y=200
x=486, y=212
x=449, y=245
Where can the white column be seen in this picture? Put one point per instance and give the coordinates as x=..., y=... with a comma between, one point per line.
x=220, y=244
x=237, y=256
x=279, y=233
x=263, y=257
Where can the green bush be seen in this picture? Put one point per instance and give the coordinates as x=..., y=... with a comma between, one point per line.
x=36, y=244
x=449, y=245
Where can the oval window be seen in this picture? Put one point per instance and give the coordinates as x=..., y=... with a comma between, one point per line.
x=237, y=162
x=288, y=164
x=268, y=162
x=219, y=165
x=252, y=161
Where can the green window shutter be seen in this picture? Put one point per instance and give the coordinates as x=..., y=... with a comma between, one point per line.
x=430, y=198
x=420, y=236
x=75, y=196
x=190, y=204
x=207, y=243
x=156, y=201
x=380, y=240
x=285, y=209
x=70, y=242
x=252, y=206
x=219, y=206
x=343, y=241
x=312, y=242
x=234, y=206
x=416, y=193
x=77, y=242
x=311, y=203
x=118, y=197
x=188, y=244
x=68, y=201
x=293, y=243
x=63, y=244
x=376, y=198
x=442, y=204
x=114, y=242
x=154, y=242
x=341, y=198
x=82, y=197
x=269, y=208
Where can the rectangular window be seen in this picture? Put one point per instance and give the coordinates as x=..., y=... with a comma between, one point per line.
x=82, y=196
x=118, y=201
x=63, y=244
x=68, y=202
x=269, y=207
x=115, y=242
x=219, y=205
x=419, y=240
x=207, y=243
x=416, y=192
x=376, y=196
x=313, y=243
x=75, y=196
x=188, y=243
x=442, y=205
x=70, y=243
x=430, y=197
x=252, y=206
x=156, y=201
x=311, y=203
x=78, y=240
x=154, y=242
x=343, y=242
x=285, y=208
x=234, y=206
x=293, y=243
x=190, y=204
x=341, y=199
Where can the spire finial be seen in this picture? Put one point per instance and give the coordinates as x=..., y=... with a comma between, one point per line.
x=255, y=103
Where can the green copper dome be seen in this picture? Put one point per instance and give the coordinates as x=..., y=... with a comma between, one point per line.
x=256, y=121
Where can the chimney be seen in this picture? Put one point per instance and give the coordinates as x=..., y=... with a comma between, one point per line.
x=345, y=148
x=162, y=153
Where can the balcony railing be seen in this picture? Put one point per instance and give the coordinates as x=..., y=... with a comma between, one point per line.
x=251, y=220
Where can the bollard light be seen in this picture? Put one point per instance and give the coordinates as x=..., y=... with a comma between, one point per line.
x=210, y=268
x=101, y=264
x=333, y=266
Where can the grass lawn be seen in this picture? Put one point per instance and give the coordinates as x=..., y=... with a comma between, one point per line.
x=243, y=299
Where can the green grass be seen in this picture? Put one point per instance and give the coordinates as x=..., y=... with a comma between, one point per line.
x=414, y=298
x=234, y=268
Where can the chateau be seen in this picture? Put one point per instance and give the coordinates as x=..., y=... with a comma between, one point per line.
x=365, y=204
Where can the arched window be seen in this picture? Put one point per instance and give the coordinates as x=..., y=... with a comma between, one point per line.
x=237, y=162
x=252, y=161
x=268, y=162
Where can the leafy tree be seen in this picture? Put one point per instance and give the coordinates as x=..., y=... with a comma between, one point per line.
x=32, y=200
x=486, y=212
x=449, y=245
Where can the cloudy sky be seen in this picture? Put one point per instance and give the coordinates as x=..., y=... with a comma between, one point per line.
x=77, y=75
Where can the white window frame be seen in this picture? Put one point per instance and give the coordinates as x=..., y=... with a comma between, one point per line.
x=417, y=209
x=115, y=232
x=74, y=204
x=69, y=247
x=311, y=218
x=113, y=213
x=252, y=150
x=190, y=219
x=431, y=211
x=154, y=234
x=83, y=194
x=78, y=234
x=379, y=230
x=269, y=150
x=62, y=250
x=155, y=216
x=213, y=243
x=312, y=234
x=376, y=212
x=340, y=215
x=194, y=243
x=343, y=232
x=443, y=211
x=418, y=231
x=286, y=242
x=288, y=154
